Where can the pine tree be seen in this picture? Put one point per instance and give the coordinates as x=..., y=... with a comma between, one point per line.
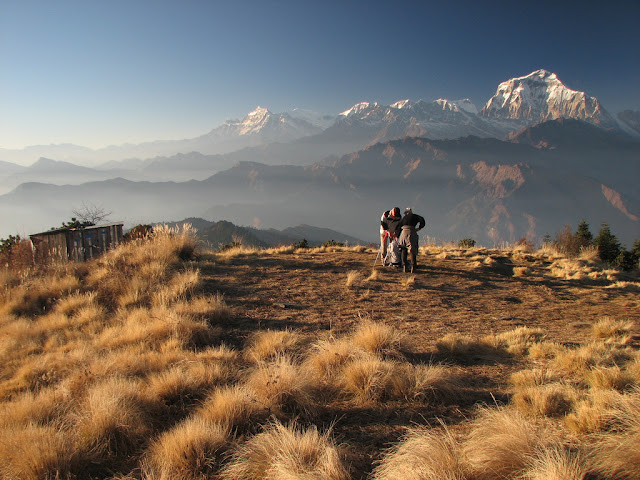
x=583, y=235
x=608, y=245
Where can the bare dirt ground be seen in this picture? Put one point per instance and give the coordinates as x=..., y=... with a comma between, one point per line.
x=454, y=293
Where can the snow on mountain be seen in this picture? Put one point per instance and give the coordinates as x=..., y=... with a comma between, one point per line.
x=541, y=96
x=314, y=118
x=466, y=105
x=439, y=119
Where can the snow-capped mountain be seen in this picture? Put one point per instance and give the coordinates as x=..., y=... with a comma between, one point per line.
x=266, y=125
x=438, y=119
x=541, y=96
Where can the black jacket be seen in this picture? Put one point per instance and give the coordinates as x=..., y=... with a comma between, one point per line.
x=412, y=219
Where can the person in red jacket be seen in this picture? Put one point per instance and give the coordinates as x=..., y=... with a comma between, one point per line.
x=410, y=224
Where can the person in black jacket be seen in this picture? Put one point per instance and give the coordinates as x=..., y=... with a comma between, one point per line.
x=410, y=224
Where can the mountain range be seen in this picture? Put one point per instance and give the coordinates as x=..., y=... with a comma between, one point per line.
x=536, y=156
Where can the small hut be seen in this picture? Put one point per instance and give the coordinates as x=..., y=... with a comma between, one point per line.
x=75, y=244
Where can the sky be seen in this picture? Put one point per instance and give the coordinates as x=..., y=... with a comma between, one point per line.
x=97, y=73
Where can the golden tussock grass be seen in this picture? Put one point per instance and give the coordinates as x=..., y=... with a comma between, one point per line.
x=544, y=350
x=591, y=414
x=268, y=344
x=36, y=452
x=375, y=276
x=366, y=379
x=327, y=356
x=549, y=400
x=232, y=406
x=282, y=386
x=113, y=418
x=577, y=361
x=611, y=378
x=520, y=340
x=465, y=349
x=287, y=452
x=49, y=406
x=501, y=441
x=533, y=377
x=521, y=271
x=353, y=279
x=423, y=454
x=186, y=383
x=615, y=454
x=192, y=449
x=556, y=463
x=610, y=328
x=409, y=281
x=379, y=338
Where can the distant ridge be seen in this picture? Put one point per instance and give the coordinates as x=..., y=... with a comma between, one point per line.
x=223, y=232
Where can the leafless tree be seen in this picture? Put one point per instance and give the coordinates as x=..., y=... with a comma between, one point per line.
x=91, y=214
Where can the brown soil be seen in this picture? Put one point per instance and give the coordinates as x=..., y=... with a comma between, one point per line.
x=308, y=292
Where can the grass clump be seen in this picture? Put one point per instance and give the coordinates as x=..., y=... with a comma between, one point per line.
x=423, y=454
x=287, y=452
x=191, y=449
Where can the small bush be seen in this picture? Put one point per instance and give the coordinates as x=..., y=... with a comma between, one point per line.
x=302, y=244
x=332, y=243
x=467, y=243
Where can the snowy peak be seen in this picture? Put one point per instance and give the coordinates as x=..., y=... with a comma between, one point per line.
x=541, y=96
x=254, y=121
x=266, y=125
x=360, y=109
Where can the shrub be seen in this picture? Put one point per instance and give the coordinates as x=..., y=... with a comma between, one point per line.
x=138, y=232
x=302, y=244
x=626, y=261
x=332, y=243
x=608, y=245
x=583, y=236
x=467, y=243
x=566, y=242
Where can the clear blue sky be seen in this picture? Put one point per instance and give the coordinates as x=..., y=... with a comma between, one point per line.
x=105, y=72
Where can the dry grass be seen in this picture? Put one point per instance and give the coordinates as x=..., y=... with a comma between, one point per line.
x=608, y=328
x=36, y=452
x=119, y=368
x=113, y=418
x=379, y=339
x=268, y=344
x=501, y=442
x=556, y=463
x=191, y=449
x=232, y=406
x=550, y=400
x=353, y=279
x=282, y=386
x=615, y=454
x=287, y=452
x=423, y=454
